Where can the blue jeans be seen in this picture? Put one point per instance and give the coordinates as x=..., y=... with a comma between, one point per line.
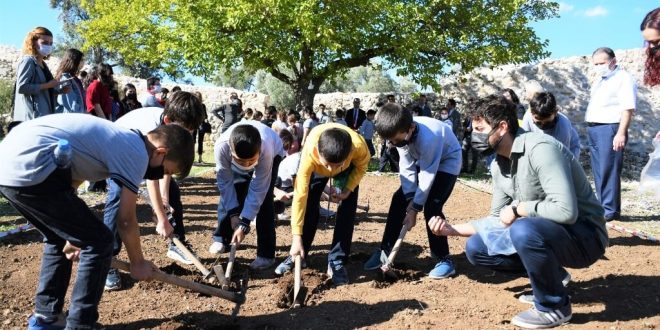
x=112, y=209
x=342, y=236
x=442, y=187
x=265, y=217
x=543, y=248
x=56, y=211
x=606, y=166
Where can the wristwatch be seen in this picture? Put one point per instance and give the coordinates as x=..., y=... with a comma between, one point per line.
x=514, y=208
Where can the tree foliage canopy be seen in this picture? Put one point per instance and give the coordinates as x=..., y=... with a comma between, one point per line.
x=305, y=42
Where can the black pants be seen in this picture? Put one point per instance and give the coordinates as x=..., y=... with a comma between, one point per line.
x=388, y=156
x=265, y=217
x=442, y=187
x=60, y=215
x=343, y=233
x=199, y=136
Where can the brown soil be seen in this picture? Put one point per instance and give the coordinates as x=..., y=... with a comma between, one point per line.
x=621, y=291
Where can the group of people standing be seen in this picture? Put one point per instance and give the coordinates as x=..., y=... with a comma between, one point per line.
x=541, y=195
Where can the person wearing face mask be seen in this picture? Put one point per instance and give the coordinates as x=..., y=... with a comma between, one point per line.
x=184, y=109
x=130, y=99
x=542, y=195
x=247, y=157
x=44, y=192
x=153, y=89
x=229, y=113
x=650, y=28
x=36, y=89
x=429, y=163
x=611, y=107
x=543, y=117
x=331, y=151
x=67, y=73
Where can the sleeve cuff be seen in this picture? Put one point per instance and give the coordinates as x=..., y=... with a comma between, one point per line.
x=531, y=207
x=417, y=207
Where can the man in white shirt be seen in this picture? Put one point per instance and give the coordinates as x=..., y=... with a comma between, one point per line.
x=610, y=111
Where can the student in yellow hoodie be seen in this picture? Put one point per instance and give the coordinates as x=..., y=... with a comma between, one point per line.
x=331, y=150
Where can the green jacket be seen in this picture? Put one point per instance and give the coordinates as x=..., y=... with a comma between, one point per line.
x=545, y=175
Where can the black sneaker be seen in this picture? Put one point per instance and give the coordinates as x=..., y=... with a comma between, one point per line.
x=113, y=281
x=338, y=273
x=536, y=319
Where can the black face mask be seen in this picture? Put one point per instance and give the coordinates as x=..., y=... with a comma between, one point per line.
x=154, y=173
x=548, y=125
x=401, y=144
x=480, y=142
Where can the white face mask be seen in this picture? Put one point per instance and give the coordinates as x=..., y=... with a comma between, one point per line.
x=444, y=117
x=245, y=168
x=156, y=89
x=602, y=70
x=45, y=50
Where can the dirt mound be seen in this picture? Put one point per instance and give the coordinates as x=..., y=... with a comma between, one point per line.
x=314, y=284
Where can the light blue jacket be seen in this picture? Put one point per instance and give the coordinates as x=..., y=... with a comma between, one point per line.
x=73, y=101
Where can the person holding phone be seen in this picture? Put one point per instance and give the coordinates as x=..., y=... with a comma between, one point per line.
x=67, y=74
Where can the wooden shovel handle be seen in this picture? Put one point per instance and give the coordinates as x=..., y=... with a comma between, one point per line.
x=194, y=286
x=194, y=259
x=297, y=276
x=230, y=263
x=397, y=245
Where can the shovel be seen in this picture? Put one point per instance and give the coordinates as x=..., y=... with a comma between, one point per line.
x=387, y=261
x=299, y=291
x=208, y=275
x=238, y=298
x=230, y=264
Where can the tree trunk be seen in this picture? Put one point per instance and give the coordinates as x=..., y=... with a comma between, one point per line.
x=304, y=95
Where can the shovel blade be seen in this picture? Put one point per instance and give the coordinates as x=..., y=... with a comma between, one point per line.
x=220, y=274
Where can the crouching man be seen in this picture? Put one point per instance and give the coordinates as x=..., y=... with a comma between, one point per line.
x=541, y=193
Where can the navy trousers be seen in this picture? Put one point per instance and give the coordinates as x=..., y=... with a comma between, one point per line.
x=265, y=221
x=342, y=236
x=543, y=247
x=442, y=187
x=60, y=215
x=606, y=165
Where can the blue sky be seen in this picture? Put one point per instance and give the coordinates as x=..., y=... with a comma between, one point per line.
x=584, y=25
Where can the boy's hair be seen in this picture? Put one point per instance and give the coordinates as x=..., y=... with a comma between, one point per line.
x=393, y=119
x=151, y=81
x=335, y=145
x=417, y=109
x=543, y=105
x=452, y=102
x=180, y=146
x=339, y=113
x=287, y=139
x=291, y=117
x=185, y=109
x=495, y=109
x=176, y=89
x=371, y=112
x=444, y=109
x=245, y=140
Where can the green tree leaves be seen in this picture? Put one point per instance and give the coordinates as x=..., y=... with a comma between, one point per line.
x=310, y=41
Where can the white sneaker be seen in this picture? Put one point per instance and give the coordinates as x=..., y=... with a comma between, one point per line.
x=283, y=217
x=262, y=263
x=216, y=248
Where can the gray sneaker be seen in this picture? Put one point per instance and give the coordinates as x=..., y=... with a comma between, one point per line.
x=287, y=265
x=175, y=253
x=536, y=319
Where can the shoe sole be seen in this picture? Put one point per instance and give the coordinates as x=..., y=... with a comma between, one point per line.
x=526, y=325
x=529, y=299
x=174, y=256
x=453, y=272
x=261, y=267
x=112, y=288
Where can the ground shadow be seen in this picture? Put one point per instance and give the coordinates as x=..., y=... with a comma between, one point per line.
x=632, y=241
x=330, y=315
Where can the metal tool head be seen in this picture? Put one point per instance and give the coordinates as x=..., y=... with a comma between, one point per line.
x=243, y=286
